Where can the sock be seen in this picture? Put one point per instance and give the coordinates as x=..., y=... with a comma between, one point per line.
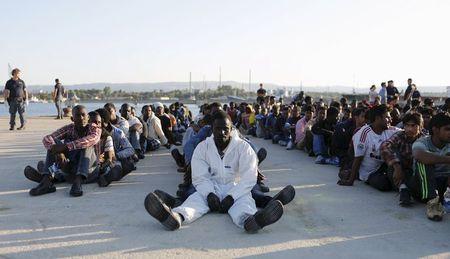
x=181, y=217
x=402, y=186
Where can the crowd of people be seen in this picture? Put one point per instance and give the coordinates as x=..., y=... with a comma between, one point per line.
x=379, y=141
x=388, y=144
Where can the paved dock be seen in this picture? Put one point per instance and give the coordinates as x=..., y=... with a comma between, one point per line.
x=324, y=220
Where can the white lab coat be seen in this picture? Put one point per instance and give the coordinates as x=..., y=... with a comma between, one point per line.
x=233, y=175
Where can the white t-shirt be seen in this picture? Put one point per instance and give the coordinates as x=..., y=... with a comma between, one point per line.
x=133, y=120
x=367, y=143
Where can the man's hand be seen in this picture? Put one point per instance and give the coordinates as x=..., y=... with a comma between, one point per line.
x=345, y=182
x=226, y=204
x=61, y=160
x=213, y=202
x=58, y=148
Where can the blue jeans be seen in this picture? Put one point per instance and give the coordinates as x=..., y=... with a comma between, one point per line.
x=134, y=139
x=16, y=106
x=319, y=146
x=58, y=104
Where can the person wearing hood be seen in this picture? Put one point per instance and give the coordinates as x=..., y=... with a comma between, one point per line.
x=224, y=171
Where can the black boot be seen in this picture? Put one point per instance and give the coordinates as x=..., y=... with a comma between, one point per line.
x=168, y=199
x=286, y=195
x=44, y=187
x=32, y=174
x=161, y=212
x=76, y=190
x=179, y=159
x=269, y=215
x=262, y=154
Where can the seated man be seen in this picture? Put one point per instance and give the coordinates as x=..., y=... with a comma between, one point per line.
x=224, y=170
x=278, y=129
x=304, y=126
x=432, y=166
x=397, y=154
x=366, y=145
x=116, y=120
x=271, y=120
x=70, y=153
x=323, y=131
x=155, y=135
x=134, y=130
x=123, y=151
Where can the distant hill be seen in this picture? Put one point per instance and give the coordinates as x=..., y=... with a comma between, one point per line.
x=167, y=86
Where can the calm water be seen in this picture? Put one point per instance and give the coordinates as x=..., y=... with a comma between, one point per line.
x=49, y=109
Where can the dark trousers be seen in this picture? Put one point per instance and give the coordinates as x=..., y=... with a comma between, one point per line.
x=380, y=180
x=16, y=106
x=81, y=162
x=425, y=183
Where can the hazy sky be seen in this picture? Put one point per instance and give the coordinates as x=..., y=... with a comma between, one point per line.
x=283, y=42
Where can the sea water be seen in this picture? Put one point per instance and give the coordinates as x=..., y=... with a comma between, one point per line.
x=49, y=109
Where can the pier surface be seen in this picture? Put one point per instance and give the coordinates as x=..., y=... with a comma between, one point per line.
x=324, y=220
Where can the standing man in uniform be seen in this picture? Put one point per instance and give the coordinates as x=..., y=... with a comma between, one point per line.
x=16, y=95
x=58, y=95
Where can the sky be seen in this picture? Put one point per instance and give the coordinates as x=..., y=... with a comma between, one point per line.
x=317, y=42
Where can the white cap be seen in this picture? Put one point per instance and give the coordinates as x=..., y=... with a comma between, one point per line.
x=158, y=104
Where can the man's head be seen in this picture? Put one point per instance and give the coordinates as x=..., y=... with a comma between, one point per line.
x=133, y=111
x=111, y=109
x=146, y=111
x=159, y=108
x=16, y=73
x=390, y=83
x=308, y=100
x=125, y=111
x=321, y=113
x=285, y=112
x=409, y=81
x=332, y=115
x=413, y=124
x=428, y=102
x=80, y=116
x=276, y=109
x=221, y=126
x=427, y=114
x=309, y=112
x=359, y=116
x=215, y=106
x=383, y=84
x=261, y=85
x=379, y=116
x=95, y=118
x=440, y=126
x=106, y=118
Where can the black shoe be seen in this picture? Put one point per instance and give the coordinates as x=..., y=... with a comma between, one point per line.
x=76, y=190
x=114, y=174
x=183, y=185
x=405, y=198
x=262, y=154
x=21, y=127
x=161, y=212
x=11, y=128
x=286, y=195
x=43, y=188
x=168, y=199
x=269, y=215
x=139, y=154
x=263, y=188
x=178, y=157
x=32, y=174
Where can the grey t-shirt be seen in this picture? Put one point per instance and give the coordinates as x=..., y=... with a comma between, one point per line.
x=426, y=144
x=59, y=91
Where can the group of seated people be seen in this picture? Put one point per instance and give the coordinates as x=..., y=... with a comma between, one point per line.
x=387, y=146
x=105, y=145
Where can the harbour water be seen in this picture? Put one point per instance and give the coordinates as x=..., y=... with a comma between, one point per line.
x=48, y=109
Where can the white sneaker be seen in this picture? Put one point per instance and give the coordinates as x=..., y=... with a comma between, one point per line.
x=289, y=145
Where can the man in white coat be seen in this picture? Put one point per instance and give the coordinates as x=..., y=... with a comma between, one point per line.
x=224, y=171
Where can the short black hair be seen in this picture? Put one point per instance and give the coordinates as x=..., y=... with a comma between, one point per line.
x=377, y=111
x=332, y=111
x=216, y=105
x=125, y=105
x=104, y=113
x=413, y=117
x=145, y=107
x=358, y=111
x=109, y=106
x=415, y=103
x=439, y=120
x=220, y=115
x=78, y=108
x=309, y=108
